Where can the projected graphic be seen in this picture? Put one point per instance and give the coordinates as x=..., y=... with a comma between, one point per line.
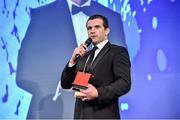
x=36, y=43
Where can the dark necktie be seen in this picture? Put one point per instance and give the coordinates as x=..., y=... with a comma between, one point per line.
x=90, y=60
x=76, y=9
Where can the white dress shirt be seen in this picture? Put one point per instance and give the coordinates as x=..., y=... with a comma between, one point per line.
x=100, y=46
x=79, y=22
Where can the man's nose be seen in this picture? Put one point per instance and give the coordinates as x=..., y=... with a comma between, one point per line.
x=93, y=30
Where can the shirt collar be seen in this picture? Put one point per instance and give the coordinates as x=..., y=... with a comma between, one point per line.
x=70, y=3
x=102, y=44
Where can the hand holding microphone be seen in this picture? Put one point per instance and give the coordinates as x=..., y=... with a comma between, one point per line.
x=80, y=51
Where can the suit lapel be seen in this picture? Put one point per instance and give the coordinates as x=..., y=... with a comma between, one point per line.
x=101, y=54
x=65, y=21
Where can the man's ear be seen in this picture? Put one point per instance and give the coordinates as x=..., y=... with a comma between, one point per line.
x=107, y=31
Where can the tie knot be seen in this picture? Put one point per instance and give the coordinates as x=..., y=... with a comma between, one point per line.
x=94, y=48
x=76, y=9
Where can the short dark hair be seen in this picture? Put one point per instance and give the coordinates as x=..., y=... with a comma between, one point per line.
x=105, y=21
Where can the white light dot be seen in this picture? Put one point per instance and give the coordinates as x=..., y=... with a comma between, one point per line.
x=144, y=9
x=161, y=60
x=124, y=106
x=140, y=30
x=149, y=77
x=154, y=23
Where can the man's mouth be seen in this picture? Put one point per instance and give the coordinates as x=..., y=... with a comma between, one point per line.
x=93, y=36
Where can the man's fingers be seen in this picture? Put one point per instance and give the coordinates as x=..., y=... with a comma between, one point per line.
x=83, y=46
x=84, y=99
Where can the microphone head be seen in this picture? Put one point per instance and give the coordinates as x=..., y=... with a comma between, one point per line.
x=88, y=42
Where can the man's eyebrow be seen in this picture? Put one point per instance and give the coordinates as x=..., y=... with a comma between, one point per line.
x=97, y=26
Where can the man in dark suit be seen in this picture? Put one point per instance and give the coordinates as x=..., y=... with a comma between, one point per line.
x=110, y=68
x=49, y=41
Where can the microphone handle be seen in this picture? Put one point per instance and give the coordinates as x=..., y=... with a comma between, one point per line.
x=87, y=43
x=77, y=57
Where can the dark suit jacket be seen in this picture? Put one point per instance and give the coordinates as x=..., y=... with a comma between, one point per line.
x=111, y=70
x=45, y=49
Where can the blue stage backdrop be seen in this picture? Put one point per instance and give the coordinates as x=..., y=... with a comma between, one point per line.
x=151, y=29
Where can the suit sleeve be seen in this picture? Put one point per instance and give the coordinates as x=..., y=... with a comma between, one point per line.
x=68, y=76
x=122, y=80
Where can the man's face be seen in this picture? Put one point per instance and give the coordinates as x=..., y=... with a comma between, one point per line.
x=96, y=30
x=79, y=2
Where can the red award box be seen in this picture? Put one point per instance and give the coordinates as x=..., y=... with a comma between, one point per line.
x=81, y=80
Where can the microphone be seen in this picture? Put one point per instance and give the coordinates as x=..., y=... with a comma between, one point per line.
x=87, y=43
